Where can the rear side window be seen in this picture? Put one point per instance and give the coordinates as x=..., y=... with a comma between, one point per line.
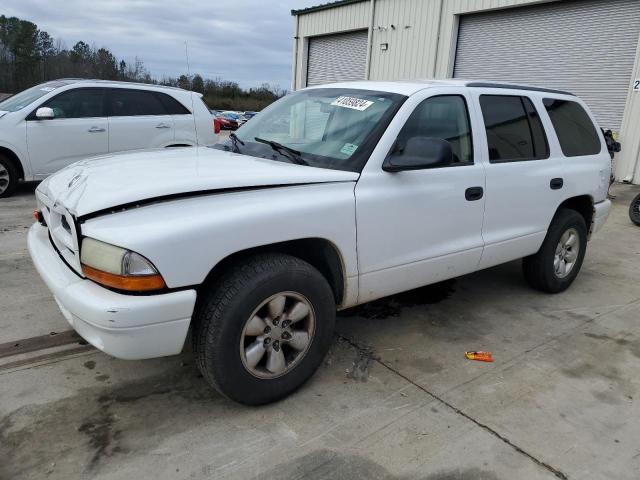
x=575, y=130
x=78, y=103
x=171, y=105
x=128, y=103
x=514, y=130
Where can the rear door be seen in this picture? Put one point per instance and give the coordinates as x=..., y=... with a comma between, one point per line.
x=524, y=175
x=137, y=120
x=79, y=130
x=183, y=120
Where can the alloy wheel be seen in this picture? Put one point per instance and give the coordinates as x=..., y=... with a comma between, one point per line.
x=5, y=179
x=566, y=253
x=277, y=335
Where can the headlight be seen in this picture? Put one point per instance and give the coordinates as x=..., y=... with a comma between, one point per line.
x=117, y=267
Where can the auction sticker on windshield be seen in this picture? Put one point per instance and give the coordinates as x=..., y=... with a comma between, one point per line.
x=352, y=102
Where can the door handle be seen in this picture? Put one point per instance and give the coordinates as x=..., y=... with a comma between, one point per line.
x=163, y=125
x=473, y=193
x=96, y=129
x=556, y=183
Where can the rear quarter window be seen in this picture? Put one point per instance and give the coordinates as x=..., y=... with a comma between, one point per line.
x=576, y=132
x=171, y=105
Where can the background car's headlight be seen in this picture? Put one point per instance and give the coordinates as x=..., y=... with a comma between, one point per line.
x=117, y=267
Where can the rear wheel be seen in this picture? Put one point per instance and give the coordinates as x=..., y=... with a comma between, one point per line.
x=634, y=210
x=264, y=329
x=555, y=266
x=8, y=177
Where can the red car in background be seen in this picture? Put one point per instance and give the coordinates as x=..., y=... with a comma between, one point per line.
x=226, y=123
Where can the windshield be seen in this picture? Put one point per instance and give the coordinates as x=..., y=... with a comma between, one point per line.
x=28, y=96
x=328, y=127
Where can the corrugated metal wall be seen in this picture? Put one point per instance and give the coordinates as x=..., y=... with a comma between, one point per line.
x=586, y=47
x=337, y=58
x=424, y=51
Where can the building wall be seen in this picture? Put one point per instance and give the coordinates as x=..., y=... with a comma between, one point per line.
x=422, y=35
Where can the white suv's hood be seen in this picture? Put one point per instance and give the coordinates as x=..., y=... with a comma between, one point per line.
x=116, y=180
x=3, y=113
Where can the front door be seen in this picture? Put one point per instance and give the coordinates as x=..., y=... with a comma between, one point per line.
x=78, y=130
x=421, y=226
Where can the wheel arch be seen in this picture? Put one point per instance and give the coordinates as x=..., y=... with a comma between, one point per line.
x=11, y=155
x=318, y=252
x=584, y=205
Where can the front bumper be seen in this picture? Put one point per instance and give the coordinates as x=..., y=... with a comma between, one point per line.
x=124, y=326
x=600, y=215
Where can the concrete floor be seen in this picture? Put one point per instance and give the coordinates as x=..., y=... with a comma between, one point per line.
x=395, y=398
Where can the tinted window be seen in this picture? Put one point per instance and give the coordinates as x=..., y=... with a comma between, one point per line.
x=575, y=130
x=514, y=130
x=78, y=103
x=171, y=105
x=128, y=103
x=443, y=117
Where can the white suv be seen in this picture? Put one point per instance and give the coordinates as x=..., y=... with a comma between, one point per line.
x=49, y=126
x=331, y=197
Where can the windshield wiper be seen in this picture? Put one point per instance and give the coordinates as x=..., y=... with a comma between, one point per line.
x=235, y=141
x=290, y=153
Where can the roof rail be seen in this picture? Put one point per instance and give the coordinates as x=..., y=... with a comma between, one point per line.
x=517, y=87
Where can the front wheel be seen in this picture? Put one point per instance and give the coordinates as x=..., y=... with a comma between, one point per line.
x=634, y=210
x=264, y=329
x=8, y=177
x=556, y=265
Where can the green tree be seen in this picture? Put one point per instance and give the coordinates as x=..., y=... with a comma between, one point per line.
x=184, y=82
x=197, y=84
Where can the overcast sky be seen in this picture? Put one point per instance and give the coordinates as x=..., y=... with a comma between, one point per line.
x=247, y=41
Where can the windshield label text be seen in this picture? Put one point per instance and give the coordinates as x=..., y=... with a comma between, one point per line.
x=352, y=102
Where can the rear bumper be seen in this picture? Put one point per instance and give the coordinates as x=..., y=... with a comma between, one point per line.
x=601, y=212
x=124, y=326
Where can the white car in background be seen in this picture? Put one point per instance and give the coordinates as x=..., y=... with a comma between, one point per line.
x=52, y=125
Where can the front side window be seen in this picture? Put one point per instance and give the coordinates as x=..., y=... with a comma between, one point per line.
x=324, y=127
x=575, y=130
x=443, y=117
x=514, y=130
x=130, y=103
x=78, y=103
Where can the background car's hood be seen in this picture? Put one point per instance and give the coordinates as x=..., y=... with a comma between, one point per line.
x=110, y=181
x=3, y=113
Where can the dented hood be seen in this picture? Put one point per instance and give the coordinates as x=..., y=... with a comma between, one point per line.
x=122, y=179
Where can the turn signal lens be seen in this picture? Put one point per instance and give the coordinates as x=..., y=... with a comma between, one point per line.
x=39, y=217
x=117, y=267
x=139, y=283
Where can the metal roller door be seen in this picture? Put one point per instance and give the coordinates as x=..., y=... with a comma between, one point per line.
x=337, y=58
x=586, y=47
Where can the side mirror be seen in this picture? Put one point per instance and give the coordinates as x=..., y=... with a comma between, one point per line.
x=420, y=153
x=45, y=113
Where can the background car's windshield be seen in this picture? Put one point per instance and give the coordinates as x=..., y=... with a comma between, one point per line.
x=28, y=96
x=328, y=127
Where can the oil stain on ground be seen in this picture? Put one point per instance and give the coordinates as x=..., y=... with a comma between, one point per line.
x=392, y=306
x=332, y=465
x=105, y=422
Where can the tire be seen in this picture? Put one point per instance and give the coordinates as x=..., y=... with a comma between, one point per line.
x=634, y=210
x=544, y=270
x=8, y=177
x=224, y=329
